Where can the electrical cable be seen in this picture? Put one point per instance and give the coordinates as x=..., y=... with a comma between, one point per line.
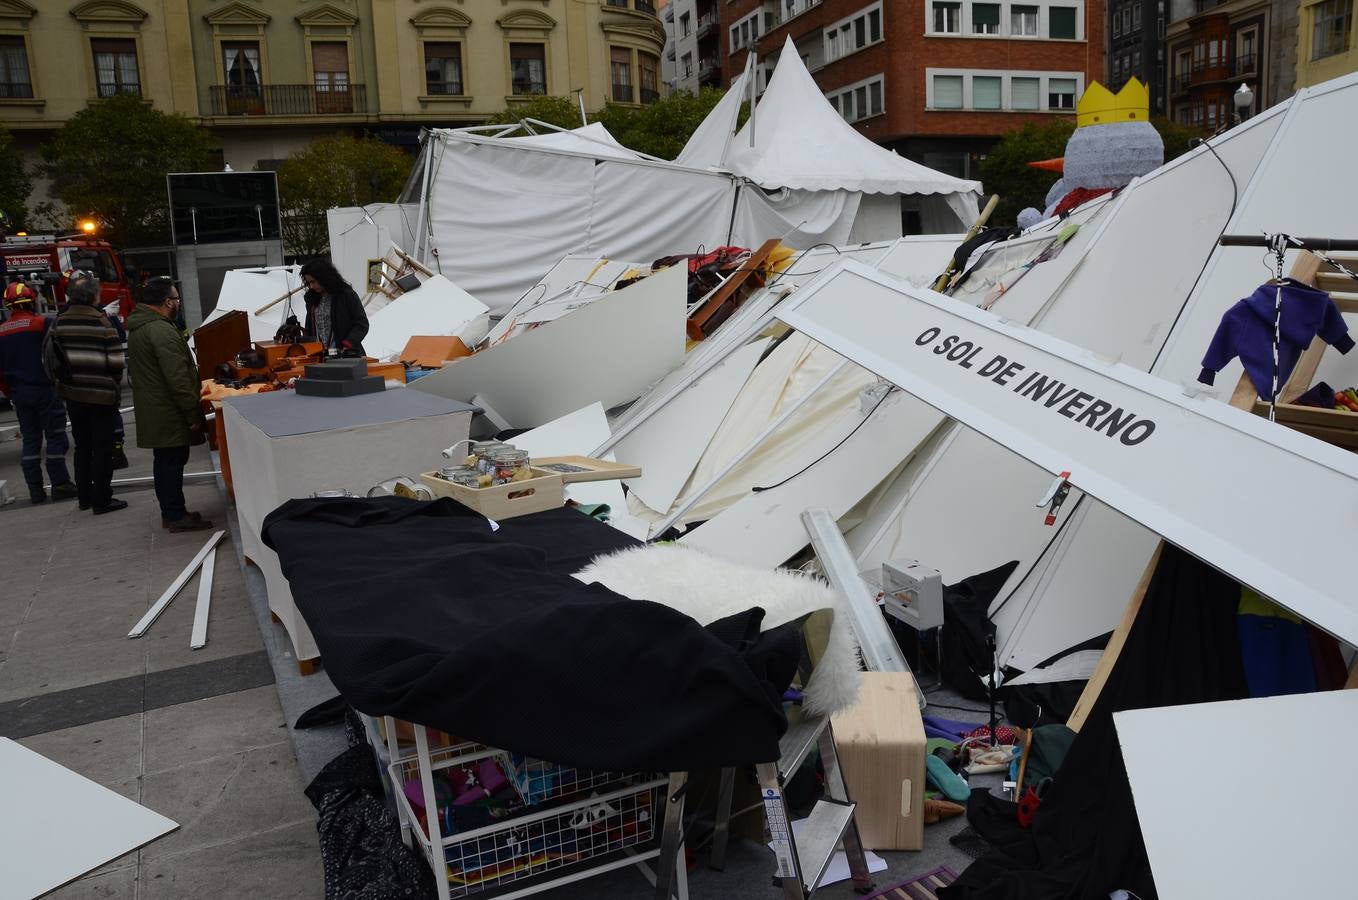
x=840, y=443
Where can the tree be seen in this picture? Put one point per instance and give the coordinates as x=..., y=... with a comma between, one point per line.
x=1006, y=172
x=15, y=183
x=563, y=112
x=109, y=161
x=335, y=171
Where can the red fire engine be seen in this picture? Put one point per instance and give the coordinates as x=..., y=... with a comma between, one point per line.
x=41, y=258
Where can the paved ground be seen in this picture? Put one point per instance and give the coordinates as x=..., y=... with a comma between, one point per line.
x=198, y=736
x=202, y=736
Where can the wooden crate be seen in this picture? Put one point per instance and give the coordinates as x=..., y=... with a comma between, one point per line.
x=586, y=468
x=881, y=745
x=544, y=491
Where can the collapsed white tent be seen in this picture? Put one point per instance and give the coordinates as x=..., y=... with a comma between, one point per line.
x=496, y=211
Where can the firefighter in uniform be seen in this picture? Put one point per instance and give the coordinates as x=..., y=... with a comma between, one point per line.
x=39, y=409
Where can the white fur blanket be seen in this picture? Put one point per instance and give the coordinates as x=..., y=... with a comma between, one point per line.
x=707, y=589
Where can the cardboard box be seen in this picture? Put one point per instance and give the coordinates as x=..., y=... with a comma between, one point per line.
x=433, y=350
x=881, y=746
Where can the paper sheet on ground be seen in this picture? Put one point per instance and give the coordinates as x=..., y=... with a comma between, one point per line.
x=56, y=825
x=838, y=869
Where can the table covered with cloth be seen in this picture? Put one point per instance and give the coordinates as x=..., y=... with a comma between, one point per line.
x=429, y=612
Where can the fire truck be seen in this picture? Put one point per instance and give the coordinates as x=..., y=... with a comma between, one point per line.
x=40, y=259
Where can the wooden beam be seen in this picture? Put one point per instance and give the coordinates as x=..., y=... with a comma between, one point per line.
x=1094, y=686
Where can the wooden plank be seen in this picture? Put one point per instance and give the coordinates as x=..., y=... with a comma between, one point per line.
x=1094, y=686
x=727, y=298
x=1291, y=414
x=1299, y=382
x=1352, y=681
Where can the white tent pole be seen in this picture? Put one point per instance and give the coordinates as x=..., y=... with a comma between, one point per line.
x=426, y=154
x=754, y=88
x=175, y=587
x=427, y=208
x=740, y=457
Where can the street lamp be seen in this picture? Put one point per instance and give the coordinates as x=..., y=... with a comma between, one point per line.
x=1244, y=101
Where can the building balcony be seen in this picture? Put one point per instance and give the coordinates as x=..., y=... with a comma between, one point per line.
x=669, y=53
x=16, y=90
x=707, y=24
x=622, y=93
x=288, y=100
x=649, y=96
x=645, y=6
x=1247, y=64
x=708, y=70
x=642, y=6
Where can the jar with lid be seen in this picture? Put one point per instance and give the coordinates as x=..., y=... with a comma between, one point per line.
x=481, y=452
x=510, y=464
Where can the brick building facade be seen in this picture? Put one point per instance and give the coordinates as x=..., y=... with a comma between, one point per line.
x=939, y=81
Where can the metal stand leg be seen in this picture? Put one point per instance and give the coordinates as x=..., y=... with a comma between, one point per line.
x=672, y=839
x=721, y=832
x=779, y=825
x=838, y=790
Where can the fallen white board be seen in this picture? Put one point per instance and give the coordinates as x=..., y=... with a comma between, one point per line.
x=436, y=307
x=1170, y=462
x=1238, y=827
x=56, y=825
x=670, y=443
x=610, y=352
x=577, y=434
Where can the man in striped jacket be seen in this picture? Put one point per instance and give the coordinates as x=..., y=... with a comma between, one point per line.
x=88, y=356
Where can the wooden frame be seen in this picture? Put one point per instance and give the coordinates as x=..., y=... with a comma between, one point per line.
x=728, y=297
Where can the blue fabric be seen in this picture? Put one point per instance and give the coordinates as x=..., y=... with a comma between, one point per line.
x=41, y=417
x=167, y=471
x=1246, y=330
x=952, y=729
x=21, y=351
x=1277, y=656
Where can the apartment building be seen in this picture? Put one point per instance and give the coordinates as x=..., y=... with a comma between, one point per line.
x=939, y=81
x=1212, y=48
x=1136, y=48
x=268, y=77
x=1327, y=44
x=697, y=44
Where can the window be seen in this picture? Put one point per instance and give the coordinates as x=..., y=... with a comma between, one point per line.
x=1117, y=24
x=1135, y=67
x=244, y=84
x=1025, y=93
x=1060, y=93
x=1244, y=51
x=687, y=62
x=985, y=91
x=1136, y=17
x=528, y=68
x=330, y=72
x=1126, y=20
x=1061, y=22
x=948, y=18
x=621, y=67
x=115, y=67
x=859, y=101
x=1330, y=28
x=443, y=68
x=854, y=33
x=14, y=78
x=98, y=262
x=650, y=77
x=985, y=18
x=745, y=32
x=947, y=92
x=1023, y=20
x=685, y=25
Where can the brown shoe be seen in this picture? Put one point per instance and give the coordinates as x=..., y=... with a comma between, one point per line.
x=191, y=522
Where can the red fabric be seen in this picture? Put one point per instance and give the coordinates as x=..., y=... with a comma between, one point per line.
x=721, y=254
x=1003, y=734
x=1078, y=196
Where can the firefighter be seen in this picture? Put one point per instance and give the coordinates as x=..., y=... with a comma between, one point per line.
x=40, y=411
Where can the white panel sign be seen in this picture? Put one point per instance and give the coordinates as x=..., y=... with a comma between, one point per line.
x=1272, y=508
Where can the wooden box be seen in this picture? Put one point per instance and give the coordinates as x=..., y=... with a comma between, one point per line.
x=544, y=491
x=219, y=341
x=585, y=468
x=881, y=746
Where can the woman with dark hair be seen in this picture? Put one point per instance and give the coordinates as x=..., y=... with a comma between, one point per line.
x=334, y=314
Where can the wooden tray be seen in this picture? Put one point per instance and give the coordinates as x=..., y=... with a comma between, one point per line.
x=585, y=468
x=504, y=501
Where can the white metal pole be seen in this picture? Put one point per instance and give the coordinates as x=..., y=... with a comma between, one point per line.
x=200, y=613
x=178, y=585
x=750, y=448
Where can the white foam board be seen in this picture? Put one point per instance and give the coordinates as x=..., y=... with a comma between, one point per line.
x=610, y=352
x=578, y=433
x=436, y=307
x=1239, y=827
x=670, y=443
x=56, y=825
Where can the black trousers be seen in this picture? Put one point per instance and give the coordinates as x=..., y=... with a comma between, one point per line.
x=92, y=428
x=168, y=471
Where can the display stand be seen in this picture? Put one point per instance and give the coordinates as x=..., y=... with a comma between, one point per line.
x=576, y=824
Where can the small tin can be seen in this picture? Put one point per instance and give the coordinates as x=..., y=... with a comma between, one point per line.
x=464, y=475
x=508, y=463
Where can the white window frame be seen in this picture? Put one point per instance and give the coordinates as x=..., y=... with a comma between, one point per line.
x=751, y=34
x=1000, y=25
x=967, y=31
x=1006, y=91
x=840, y=95
x=1037, y=24
x=836, y=49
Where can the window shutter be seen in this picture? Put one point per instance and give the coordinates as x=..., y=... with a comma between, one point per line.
x=330, y=56
x=948, y=91
x=1025, y=93
x=985, y=92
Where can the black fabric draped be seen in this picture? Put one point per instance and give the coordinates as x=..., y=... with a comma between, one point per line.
x=1085, y=841
x=423, y=612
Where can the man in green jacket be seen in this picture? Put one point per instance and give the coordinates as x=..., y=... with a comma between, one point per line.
x=165, y=393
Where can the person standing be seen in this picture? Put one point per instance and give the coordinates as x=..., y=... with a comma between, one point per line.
x=84, y=356
x=165, y=398
x=334, y=314
x=33, y=395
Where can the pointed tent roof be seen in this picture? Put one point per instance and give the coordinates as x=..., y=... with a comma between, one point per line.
x=801, y=142
x=593, y=139
x=708, y=145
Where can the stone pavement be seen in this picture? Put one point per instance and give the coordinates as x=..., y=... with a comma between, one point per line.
x=196, y=735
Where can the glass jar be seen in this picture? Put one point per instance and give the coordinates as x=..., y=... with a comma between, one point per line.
x=481, y=453
x=511, y=464
x=467, y=476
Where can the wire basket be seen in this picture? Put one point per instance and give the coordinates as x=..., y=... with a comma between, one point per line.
x=539, y=782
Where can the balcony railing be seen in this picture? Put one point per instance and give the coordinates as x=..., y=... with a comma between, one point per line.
x=1245, y=64
x=622, y=93
x=288, y=100
x=649, y=96
x=16, y=90
x=645, y=6
x=708, y=67
x=707, y=24
x=669, y=53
